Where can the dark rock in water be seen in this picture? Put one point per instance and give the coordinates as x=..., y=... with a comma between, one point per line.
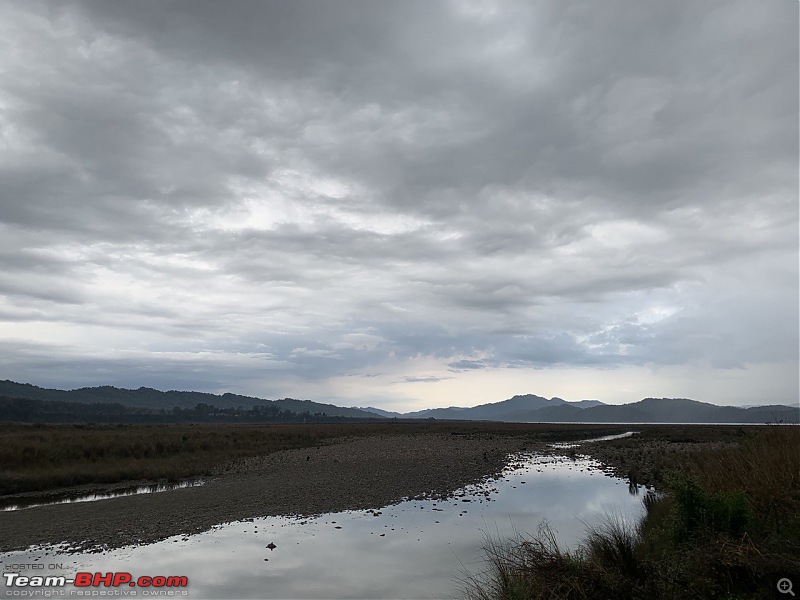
x=271, y=546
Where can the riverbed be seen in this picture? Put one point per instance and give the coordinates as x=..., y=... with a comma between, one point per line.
x=421, y=548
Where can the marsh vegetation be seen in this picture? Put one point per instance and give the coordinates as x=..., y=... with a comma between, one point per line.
x=725, y=523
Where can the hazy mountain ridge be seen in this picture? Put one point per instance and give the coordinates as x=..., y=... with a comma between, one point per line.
x=520, y=408
x=660, y=410
x=532, y=408
x=390, y=414
x=514, y=408
x=155, y=399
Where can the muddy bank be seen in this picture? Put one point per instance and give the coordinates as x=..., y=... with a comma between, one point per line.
x=360, y=473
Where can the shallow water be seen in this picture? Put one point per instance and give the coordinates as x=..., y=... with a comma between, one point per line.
x=605, y=438
x=414, y=549
x=23, y=503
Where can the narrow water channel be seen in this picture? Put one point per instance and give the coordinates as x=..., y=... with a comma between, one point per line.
x=414, y=549
x=23, y=503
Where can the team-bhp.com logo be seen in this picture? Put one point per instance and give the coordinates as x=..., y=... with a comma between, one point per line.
x=90, y=584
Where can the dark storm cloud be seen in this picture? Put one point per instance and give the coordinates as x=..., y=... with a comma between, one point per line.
x=327, y=186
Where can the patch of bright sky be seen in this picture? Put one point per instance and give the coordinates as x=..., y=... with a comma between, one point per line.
x=264, y=207
x=626, y=233
x=390, y=391
x=655, y=314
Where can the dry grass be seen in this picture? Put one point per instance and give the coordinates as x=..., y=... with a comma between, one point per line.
x=45, y=457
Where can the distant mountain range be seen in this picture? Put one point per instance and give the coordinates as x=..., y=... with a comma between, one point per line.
x=523, y=408
x=157, y=400
x=530, y=408
x=507, y=410
x=514, y=409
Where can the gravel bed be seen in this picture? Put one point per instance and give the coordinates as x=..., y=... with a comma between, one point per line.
x=349, y=474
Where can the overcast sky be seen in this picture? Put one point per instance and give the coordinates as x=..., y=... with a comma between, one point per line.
x=402, y=204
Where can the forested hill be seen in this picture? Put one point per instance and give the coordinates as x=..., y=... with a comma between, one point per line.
x=157, y=400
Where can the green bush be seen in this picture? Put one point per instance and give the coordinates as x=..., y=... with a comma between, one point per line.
x=701, y=510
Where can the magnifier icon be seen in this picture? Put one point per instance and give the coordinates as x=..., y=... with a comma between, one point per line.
x=785, y=586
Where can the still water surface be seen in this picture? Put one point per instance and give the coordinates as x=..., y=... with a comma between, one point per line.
x=414, y=549
x=23, y=503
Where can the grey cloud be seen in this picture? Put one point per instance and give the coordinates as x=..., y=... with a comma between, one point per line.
x=460, y=365
x=430, y=379
x=67, y=368
x=489, y=189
